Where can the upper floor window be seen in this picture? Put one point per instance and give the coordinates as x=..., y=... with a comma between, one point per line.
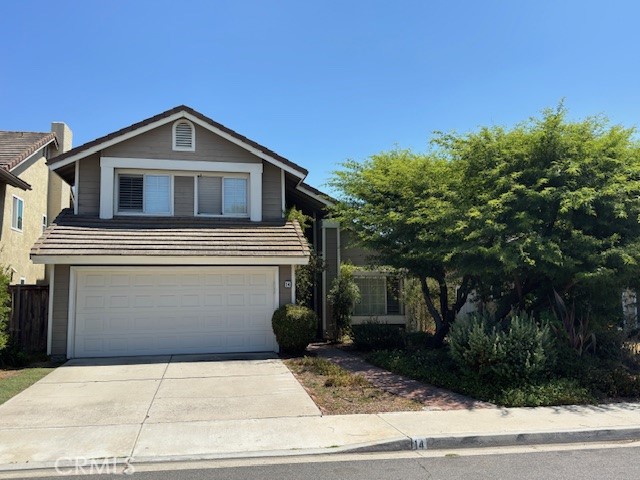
x=142, y=193
x=17, y=213
x=184, y=136
x=222, y=195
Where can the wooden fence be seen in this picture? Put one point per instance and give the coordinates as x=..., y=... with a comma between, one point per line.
x=28, y=321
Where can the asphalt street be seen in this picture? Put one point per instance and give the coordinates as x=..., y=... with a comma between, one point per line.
x=619, y=463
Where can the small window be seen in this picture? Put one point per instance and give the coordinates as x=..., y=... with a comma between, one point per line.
x=184, y=136
x=44, y=223
x=222, y=196
x=17, y=213
x=150, y=194
x=23, y=280
x=235, y=196
x=378, y=296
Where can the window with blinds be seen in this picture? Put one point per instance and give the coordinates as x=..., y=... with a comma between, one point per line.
x=210, y=195
x=222, y=196
x=150, y=194
x=130, y=188
x=184, y=136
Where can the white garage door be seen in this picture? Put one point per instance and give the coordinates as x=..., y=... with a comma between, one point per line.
x=173, y=310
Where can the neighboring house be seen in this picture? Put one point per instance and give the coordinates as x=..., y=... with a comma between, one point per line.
x=177, y=241
x=30, y=194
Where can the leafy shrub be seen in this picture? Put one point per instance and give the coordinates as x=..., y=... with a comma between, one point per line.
x=519, y=352
x=294, y=327
x=437, y=368
x=5, y=309
x=376, y=336
x=344, y=293
x=556, y=391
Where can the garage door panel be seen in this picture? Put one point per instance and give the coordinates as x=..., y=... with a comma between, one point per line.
x=121, y=311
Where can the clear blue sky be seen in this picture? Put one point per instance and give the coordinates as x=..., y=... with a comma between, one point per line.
x=317, y=81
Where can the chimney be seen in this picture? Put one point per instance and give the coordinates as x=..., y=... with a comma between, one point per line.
x=63, y=135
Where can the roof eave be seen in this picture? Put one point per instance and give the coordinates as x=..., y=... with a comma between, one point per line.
x=52, y=259
x=14, y=181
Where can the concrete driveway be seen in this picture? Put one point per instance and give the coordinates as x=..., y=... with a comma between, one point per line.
x=114, y=405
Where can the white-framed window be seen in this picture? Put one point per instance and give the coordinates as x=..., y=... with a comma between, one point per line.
x=17, y=213
x=184, y=136
x=379, y=295
x=45, y=223
x=222, y=195
x=149, y=194
x=23, y=280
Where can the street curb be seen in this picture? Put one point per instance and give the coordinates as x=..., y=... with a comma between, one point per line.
x=440, y=442
x=429, y=442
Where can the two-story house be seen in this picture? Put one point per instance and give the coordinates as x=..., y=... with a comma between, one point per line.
x=30, y=195
x=177, y=241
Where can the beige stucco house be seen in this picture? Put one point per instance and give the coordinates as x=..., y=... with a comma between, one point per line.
x=30, y=195
x=177, y=242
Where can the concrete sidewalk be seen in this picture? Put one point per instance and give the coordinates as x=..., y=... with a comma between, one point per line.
x=192, y=440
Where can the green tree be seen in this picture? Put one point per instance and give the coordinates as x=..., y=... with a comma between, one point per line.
x=405, y=208
x=552, y=205
x=510, y=213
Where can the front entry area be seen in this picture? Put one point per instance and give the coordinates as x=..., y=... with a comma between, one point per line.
x=130, y=311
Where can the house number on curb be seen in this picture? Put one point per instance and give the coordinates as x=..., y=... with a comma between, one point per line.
x=418, y=443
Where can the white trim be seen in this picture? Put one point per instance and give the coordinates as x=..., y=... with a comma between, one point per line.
x=109, y=164
x=324, y=281
x=293, y=284
x=52, y=275
x=16, y=229
x=180, y=165
x=317, y=197
x=165, y=260
x=71, y=318
x=282, y=184
x=276, y=303
x=193, y=136
x=169, y=119
x=76, y=187
x=107, y=187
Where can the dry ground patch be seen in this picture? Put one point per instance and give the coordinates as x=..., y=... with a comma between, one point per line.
x=339, y=392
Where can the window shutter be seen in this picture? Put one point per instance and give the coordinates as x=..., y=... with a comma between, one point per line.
x=183, y=136
x=130, y=193
x=210, y=195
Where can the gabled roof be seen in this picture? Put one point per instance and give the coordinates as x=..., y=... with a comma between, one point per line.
x=15, y=148
x=173, y=114
x=150, y=239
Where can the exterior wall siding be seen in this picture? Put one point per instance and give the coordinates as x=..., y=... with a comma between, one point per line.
x=60, y=314
x=271, y=192
x=16, y=245
x=89, y=186
x=356, y=255
x=183, y=196
x=157, y=143
x=284, y=274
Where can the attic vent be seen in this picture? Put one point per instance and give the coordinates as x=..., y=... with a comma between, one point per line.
x=184, y=136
